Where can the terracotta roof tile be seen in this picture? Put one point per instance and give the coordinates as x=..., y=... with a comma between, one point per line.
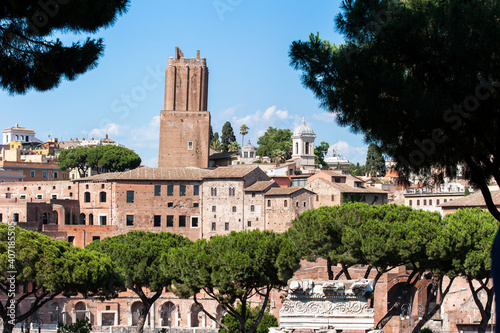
x=476, y=199
x=343, y=187
x=146, y=173
x=231, y=172
x=261, y=186
x=285, y=190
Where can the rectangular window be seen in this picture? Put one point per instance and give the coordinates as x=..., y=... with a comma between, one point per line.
x=194, y=222
x=245, y=154
x=39, y=196
x=234, y=209
x=94, y=238
x=182, y=190
x=44, y=174
x=249, y=224
x=56, y=175
x=32, y=173
x=317, y=197
x=195, y=204
x=196, y=189
x=333, y=197
x=1, y=217
x=103, y=219
x=190, y=145
x=214, y=208
x=182, y=221
x=130, y=220
x=226, y=226
x=15, y=217
x=213, y=226
x=157, y=190
x=71, y=239
x=157, y=220
x=170, y=204
x=253, y=194
x=170, y=190
x=53, y=196
x=22, y=196
x=170, y=221
x=130, y=196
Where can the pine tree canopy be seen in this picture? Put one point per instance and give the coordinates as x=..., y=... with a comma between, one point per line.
x=30, y=56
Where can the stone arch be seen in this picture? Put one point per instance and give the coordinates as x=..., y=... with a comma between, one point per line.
x=134, y=310
x=399, y=293
x=195, y=315
x=219, y=314
x=55, y=217
x=55, y=313
x=80, y=311
x=167, y=314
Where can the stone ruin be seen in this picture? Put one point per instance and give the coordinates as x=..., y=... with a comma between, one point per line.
x=327, y=306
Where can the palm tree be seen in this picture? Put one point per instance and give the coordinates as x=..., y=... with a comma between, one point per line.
x=243, y=131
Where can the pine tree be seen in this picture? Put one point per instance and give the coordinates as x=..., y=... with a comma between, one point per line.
x=375, y=163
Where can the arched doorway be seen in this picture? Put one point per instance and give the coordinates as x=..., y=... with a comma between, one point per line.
x=135, y=309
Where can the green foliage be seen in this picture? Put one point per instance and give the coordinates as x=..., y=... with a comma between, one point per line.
x=81, y=326
x=215, y=142
x=232, y=268
x=74, y=158
x=54, y=265
x=243, y=131
x=110, y=158
x=268, y=320
x=375, y=163
x=465, y=242
x=137, y=256
x=320, y=153
x=398, y=79
x=227, y=136
x=32, y=58
x=234, y=146
x=357, y=170
x=275, y=143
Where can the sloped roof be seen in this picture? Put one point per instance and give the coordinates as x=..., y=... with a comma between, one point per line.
x=146, y=173
x=345, y=188
x=230, y=172
x=337, y=174
x=261, y=186
x=285, y=190
x=475, y=199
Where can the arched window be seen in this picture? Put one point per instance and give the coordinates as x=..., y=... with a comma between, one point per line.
x=102, y=196
x=213, y=191
x=135, y=309
x=307, y=148
x=285, y=203
x=231, y=191
x=91, y=219
x=55, y=313
x=81, y=310
x=167, y=311
x=196, y=314
x=86, y=197
x=82, y=219
x=268, y=203
x=296, y=148
x=411, y=202
x=252, y=208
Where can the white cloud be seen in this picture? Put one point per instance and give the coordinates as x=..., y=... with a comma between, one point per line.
x=149, y=132
x=353, y=154
x=112, y=129
x=326, y=117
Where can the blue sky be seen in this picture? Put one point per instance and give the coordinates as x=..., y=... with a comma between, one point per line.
x=246, y=44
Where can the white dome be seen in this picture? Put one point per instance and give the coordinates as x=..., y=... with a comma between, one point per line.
x=303, y=130
x=249, y=146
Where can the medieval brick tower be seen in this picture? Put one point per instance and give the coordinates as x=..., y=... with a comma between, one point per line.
x=185, y=121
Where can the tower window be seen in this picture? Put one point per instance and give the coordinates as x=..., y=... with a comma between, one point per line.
x=231, y=191
x=190, y=145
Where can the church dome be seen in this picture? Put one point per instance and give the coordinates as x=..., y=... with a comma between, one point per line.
x=249, y=146
x=303, y=130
